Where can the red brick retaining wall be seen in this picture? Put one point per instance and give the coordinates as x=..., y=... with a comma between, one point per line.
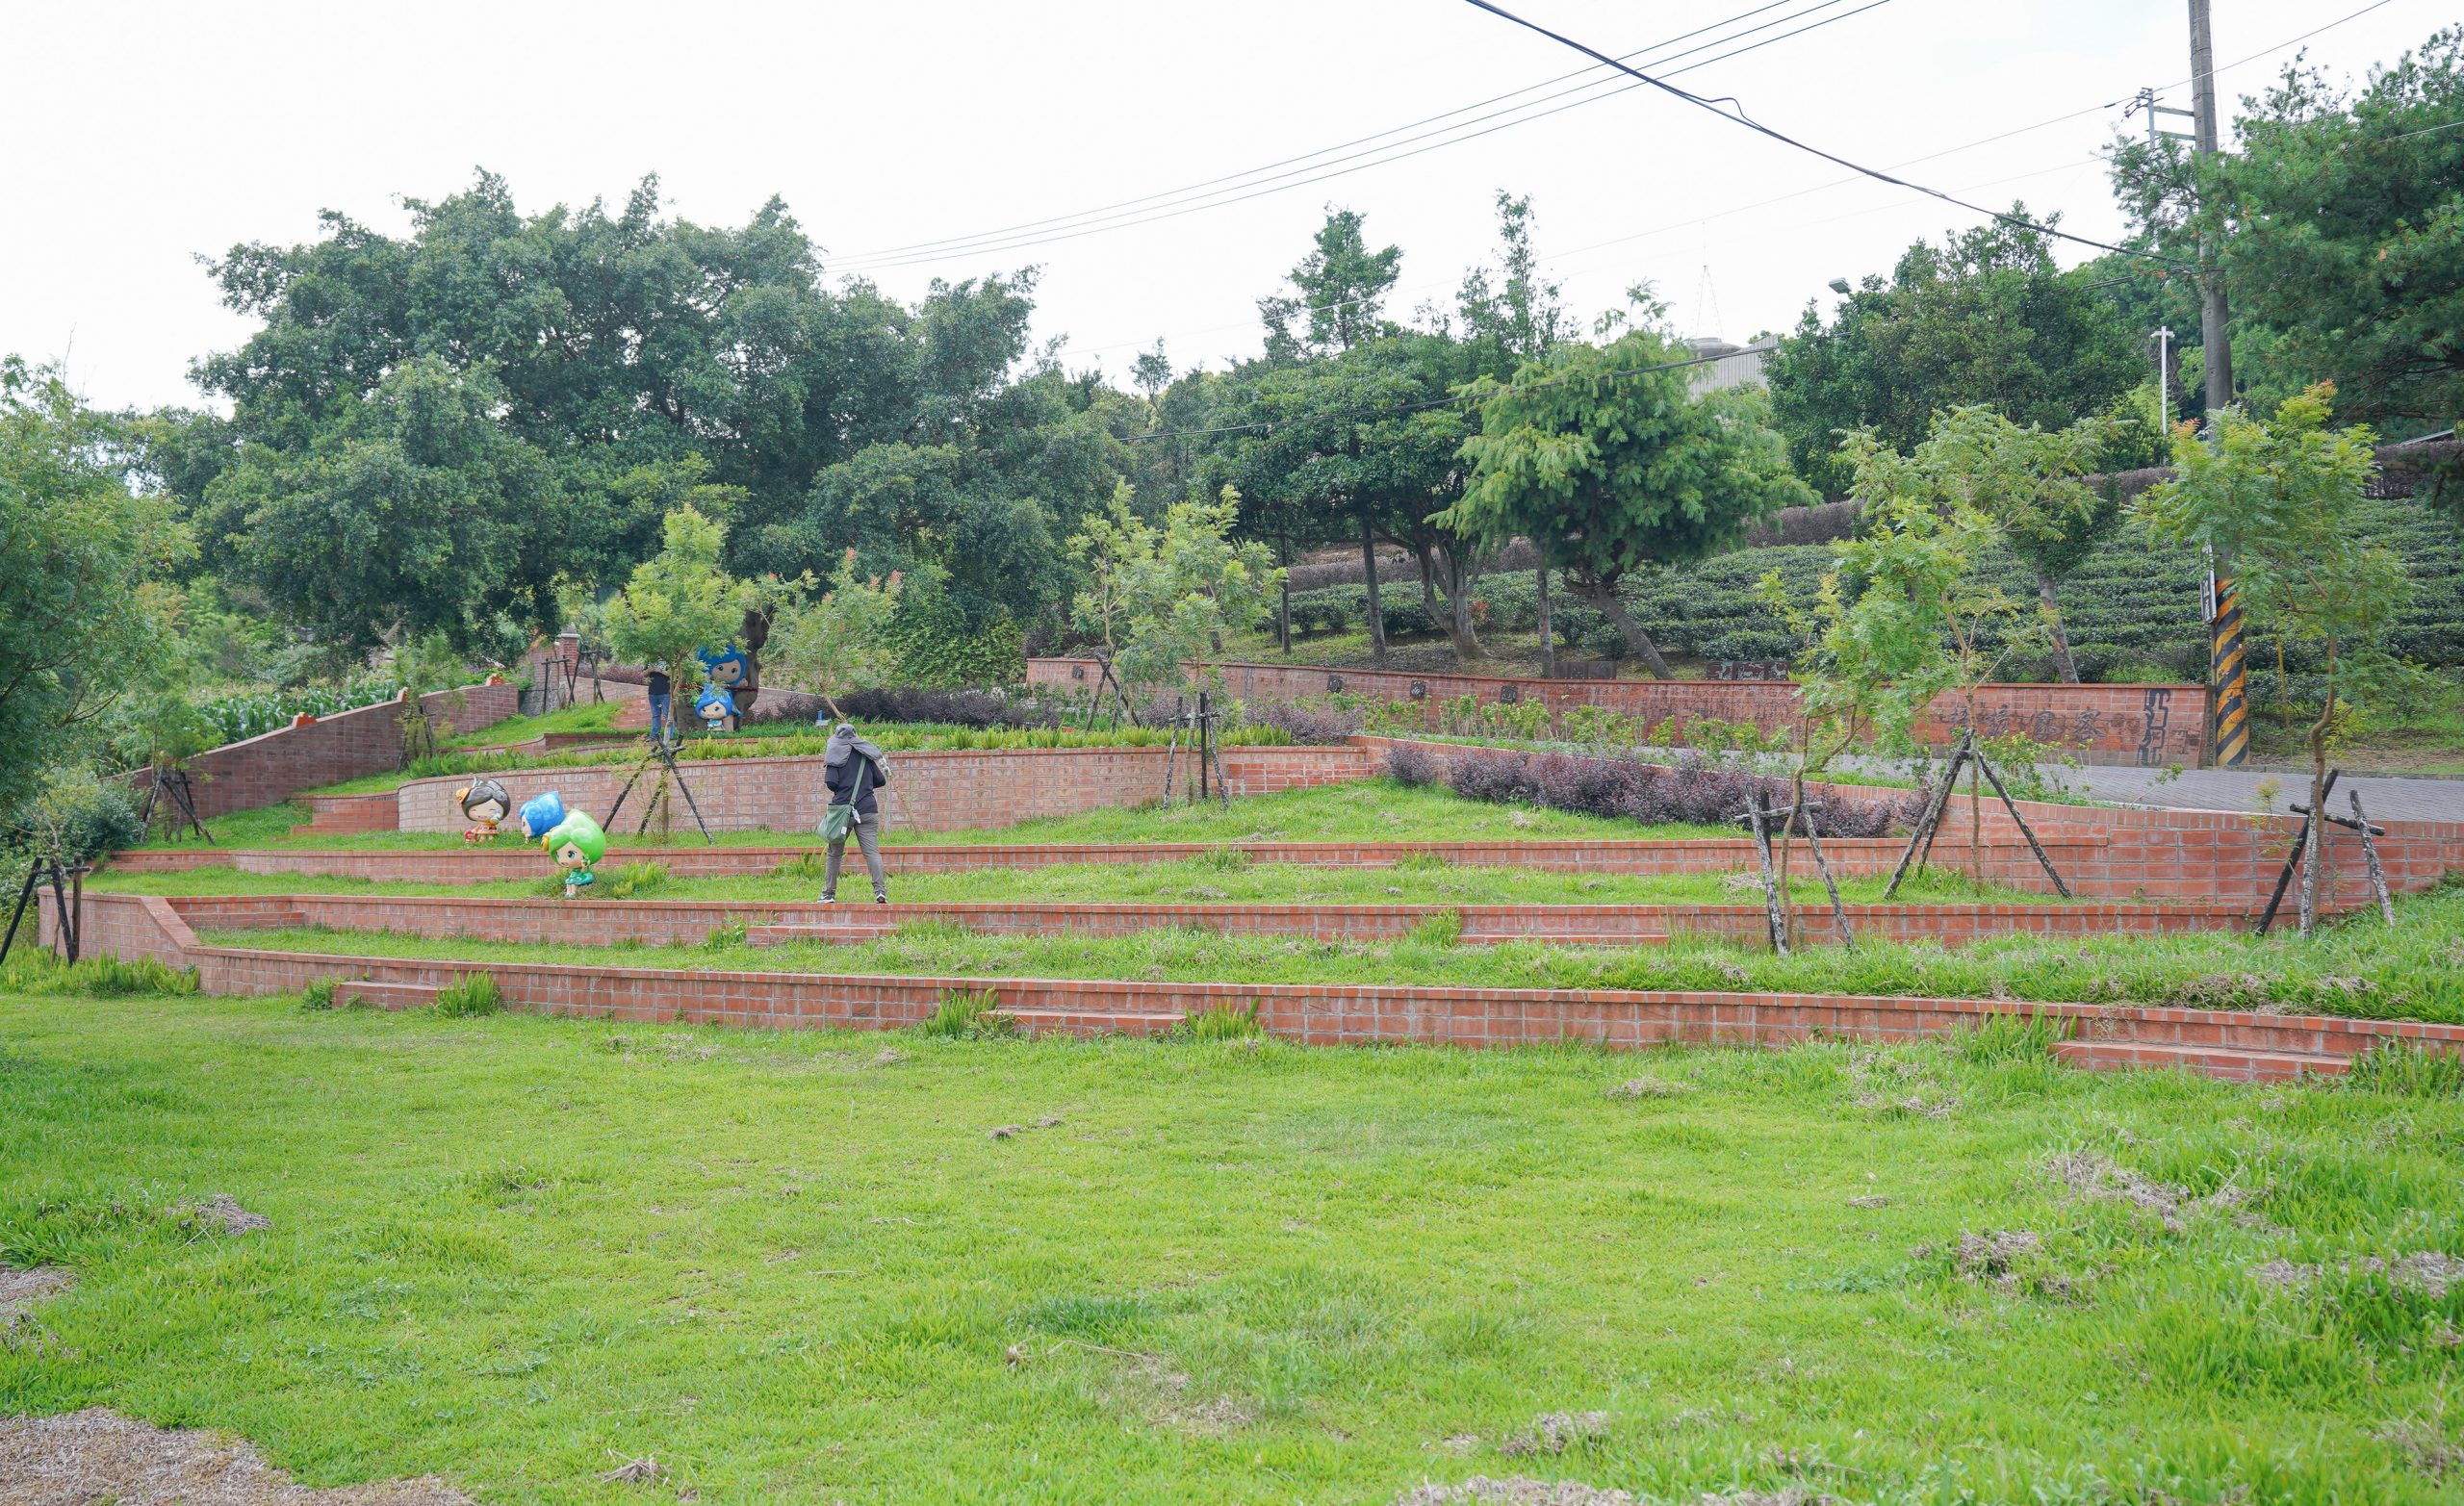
x=349, y=745
x=2221, y=1043
x=508, y=859
x=942, y=790
x=2148, y=725
x=670, y=922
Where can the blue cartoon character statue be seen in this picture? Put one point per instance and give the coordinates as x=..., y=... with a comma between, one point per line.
x=486, y=804
x=728, y=670
x=542, y=815
x=575, y=844
x=716, y=707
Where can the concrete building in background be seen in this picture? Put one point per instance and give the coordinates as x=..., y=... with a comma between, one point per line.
x=1736, y=366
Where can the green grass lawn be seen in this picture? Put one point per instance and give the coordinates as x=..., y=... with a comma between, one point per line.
x=515, y=1251
x=2356, y=967
x=1360, y=810
x=1205, y=879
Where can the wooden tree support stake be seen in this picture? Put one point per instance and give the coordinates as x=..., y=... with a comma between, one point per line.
x=1920, y=842
x=660, y=753
x=2370, y=852
x=2293, y=860
x=2013, y=806
x=68, y=893
x=1758, y=813
x=1839, y=910
x=2314, y=839
x=1171, y=755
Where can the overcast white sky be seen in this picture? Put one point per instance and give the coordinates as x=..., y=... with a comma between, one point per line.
x=142, y=135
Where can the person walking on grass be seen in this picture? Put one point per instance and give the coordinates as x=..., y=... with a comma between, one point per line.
x=852, y=769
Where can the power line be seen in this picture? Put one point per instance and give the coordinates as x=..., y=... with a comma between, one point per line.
x=1358, y=140
x=1560, y=258
x=1741, y=117
x=1217, y=202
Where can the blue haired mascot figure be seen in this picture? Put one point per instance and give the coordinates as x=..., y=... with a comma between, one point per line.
x=542, y=815
x=726, y=669
x=576, y=844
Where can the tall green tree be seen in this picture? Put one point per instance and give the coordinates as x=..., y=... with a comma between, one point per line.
x=1338, y=298
x=653, y=361
x=2338, y=227
x=2281, y=496
x=1609, y=466
x=679, y=602
x=413, y=512
x=1985, y=319
x=2032, y=485
x=85, y=610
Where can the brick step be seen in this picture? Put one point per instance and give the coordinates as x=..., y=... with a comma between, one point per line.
x=2228, y=1063
x=1091, y=1022
x=384, y=995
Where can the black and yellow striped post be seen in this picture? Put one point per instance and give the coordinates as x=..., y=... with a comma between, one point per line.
x=2229, y=676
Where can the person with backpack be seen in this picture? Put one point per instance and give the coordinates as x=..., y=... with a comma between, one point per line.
x=852, y=769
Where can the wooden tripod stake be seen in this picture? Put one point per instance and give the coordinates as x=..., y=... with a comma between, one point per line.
x=660, y=753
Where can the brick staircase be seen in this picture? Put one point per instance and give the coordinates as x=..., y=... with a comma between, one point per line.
x=383, y=995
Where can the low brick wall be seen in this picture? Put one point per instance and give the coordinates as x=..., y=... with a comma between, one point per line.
x=2221, y=1043
x=671, y=921
x=928, y=791
x=349, y=745
x=509, y=859
x=2146, y=725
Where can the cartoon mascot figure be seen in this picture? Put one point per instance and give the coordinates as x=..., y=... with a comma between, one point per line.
x=542, y=814
x=486, y=804
x=575, y=844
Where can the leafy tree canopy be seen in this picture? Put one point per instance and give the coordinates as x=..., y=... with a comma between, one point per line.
x=1609, y=466
x=1987, y=317
x=84, y=614
x=2339, y=229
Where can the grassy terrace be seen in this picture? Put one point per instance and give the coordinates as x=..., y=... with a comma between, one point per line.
x=1209, y=879
x=1366, y=810
x=513, y=1251
x=2356, y=968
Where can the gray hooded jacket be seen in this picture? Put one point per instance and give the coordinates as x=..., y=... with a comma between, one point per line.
x=843, y=763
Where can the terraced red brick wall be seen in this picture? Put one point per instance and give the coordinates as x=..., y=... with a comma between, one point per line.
x=348, y=745
x=2223, y=1043
x=928, y=791
x=2147, y=725
x=666, y=922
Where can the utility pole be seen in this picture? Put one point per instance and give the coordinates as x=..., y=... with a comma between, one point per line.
x=2229, y=712
x=2163, y=335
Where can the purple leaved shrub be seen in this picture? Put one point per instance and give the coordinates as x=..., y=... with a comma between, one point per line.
x=1693, y=793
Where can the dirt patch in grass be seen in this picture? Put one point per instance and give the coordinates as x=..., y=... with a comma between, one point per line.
x=97, y=1455
x=1517, y=1491
x=1649, y=1087
x=2423, y=1449
x=2092, y=1176
x=1170, y=1402
x=1556, y=1432
x=20, y=1290
x=2430, y=1272
x=1984, y=1255
x=221, y=1213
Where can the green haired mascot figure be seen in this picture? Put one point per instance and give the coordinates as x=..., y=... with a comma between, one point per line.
x=575, y=844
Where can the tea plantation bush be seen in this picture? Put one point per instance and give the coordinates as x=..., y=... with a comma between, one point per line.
x=2131, y=610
